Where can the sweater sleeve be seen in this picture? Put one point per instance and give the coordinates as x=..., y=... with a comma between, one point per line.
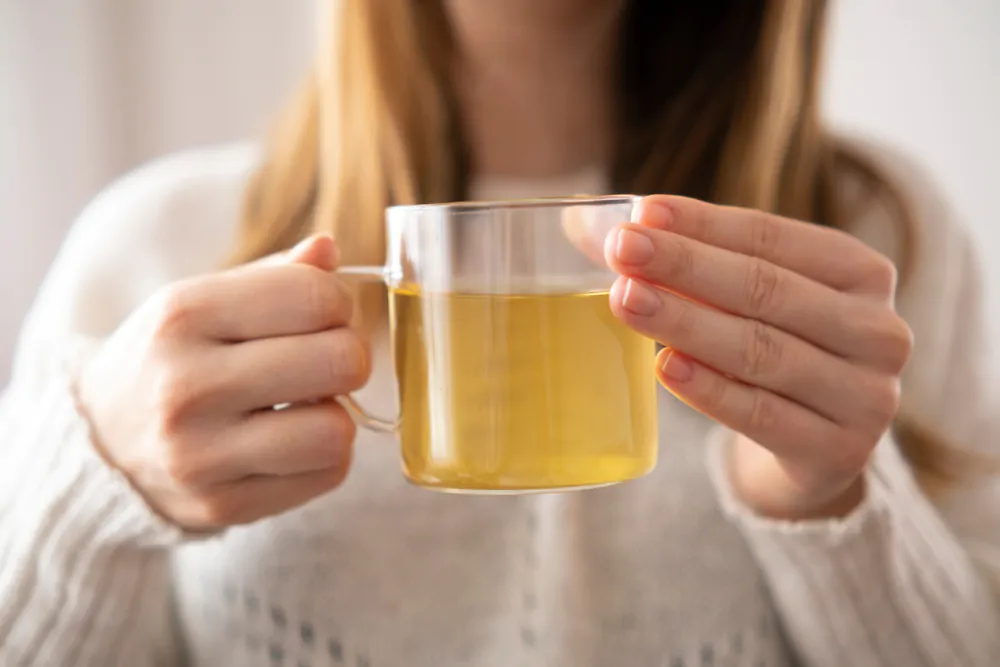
x=83, y=571
x=903, y=580
x=891, y=584
x=84, y=564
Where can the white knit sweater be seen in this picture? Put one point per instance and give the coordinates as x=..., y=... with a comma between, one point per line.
x=668, y=571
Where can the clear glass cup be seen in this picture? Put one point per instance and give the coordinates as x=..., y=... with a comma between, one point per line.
x=513, y=374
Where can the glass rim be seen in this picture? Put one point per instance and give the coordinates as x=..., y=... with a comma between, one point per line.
x=507, y=204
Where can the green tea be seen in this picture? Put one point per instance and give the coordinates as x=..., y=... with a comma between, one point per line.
x=518, y=393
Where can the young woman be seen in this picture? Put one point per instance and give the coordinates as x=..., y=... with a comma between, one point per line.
x=805, y=510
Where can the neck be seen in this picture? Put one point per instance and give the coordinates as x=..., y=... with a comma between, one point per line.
x=535, y=82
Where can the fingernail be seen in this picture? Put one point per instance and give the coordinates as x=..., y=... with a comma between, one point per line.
x=652, y=212
x=640, y=299
x=676, y=368
x=633, y=247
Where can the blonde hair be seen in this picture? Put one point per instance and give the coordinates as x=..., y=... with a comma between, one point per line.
x=718, y=103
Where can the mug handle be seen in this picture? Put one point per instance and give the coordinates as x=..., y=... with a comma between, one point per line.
x=362, y=416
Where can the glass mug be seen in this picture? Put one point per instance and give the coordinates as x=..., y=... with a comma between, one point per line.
x=513, y=375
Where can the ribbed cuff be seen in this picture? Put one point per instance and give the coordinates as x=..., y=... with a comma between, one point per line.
x=830, y=531
x=83, y=566
x=889, y=584
x=58, y=483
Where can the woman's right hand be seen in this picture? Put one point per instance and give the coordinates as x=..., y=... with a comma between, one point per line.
x=181, y=397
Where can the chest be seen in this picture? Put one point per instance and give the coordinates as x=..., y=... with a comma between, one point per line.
x=380, y=570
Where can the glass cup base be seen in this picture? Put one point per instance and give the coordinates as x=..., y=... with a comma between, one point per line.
x=513, y=492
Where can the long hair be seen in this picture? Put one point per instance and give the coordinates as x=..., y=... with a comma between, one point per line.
x=716, y=100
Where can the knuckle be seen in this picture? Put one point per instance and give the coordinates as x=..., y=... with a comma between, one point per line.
x=325, y=300
x=763, y=410
x=716, y=395
x=181, y=468
x=170, y=424
x=315, y=297
x=210, y=511
x=881, y=275
x=679, y=264
x=679, y=319
x=178, y=309
x=343, y=300
x=335, y=475
x=338, y=427
x=349, y=362
x=178, y=393
x=761, y=351
x=763, y=285
x=883, y=401
x=765, y=234
x=899, y=341
x=888, y=338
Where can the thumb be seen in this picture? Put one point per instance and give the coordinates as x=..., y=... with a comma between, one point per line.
x=319, y=250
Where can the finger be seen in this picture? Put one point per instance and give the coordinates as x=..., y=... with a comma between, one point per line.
x=299, y=439
x=255, y=498
x=259, y=302
x=293, y=369
x=828, y=256
x=783, y=426
x=319, y=250
x=750, y=351
x=858, y=329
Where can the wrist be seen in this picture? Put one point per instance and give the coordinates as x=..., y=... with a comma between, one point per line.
x=761, y=483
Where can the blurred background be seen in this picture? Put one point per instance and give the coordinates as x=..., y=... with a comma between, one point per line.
x=92, y=88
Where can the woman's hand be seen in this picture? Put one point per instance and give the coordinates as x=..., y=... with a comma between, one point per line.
x=181, y=396
x=781, y=330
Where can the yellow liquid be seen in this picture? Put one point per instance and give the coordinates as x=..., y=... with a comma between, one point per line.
x=519, y=393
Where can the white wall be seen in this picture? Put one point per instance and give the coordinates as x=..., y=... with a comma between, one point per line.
x=90, y=88
x=925, y=75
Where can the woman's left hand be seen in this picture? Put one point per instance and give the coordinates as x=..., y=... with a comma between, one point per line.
x=783, y=331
